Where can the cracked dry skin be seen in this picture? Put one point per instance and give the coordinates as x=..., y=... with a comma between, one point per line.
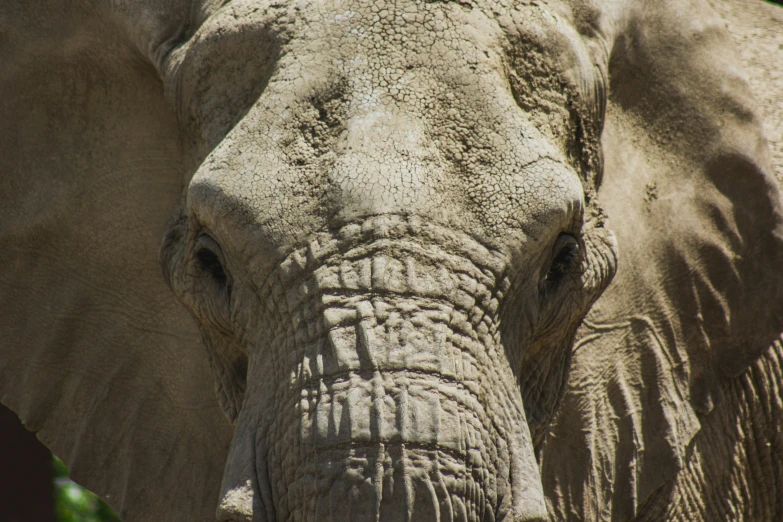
x=388, y=255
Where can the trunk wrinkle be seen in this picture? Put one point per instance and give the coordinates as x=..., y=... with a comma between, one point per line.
x=409, y=493
x=393, y=394
x=378, y=481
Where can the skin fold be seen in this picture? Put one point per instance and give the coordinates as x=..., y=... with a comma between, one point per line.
x=454, y=261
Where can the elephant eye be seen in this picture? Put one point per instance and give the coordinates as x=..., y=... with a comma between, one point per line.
x=566, y=252
x=208, y=258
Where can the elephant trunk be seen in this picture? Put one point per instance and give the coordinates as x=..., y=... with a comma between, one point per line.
x=395, y=399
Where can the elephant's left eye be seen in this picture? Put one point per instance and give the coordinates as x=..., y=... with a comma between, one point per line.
x=566, y=252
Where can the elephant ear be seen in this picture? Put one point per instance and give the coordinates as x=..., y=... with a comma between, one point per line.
x=96, y=356
x=689, y=192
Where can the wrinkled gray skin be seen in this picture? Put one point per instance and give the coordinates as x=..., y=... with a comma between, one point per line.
x=386, y=223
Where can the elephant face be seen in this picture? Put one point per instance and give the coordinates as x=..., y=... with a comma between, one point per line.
x=383, y=224
x=388, y=248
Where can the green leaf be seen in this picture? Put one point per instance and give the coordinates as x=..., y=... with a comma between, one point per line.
x=73, y=503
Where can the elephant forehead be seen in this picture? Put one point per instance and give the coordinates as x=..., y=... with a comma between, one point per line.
x=375, y=110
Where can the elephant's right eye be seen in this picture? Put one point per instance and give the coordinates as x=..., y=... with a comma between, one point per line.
x=209, y=263
x=208, y=259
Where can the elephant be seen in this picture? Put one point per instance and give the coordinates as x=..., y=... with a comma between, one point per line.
x=270, y=260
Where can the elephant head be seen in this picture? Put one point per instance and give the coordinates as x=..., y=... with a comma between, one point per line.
x=383, y=225
x=387, y=256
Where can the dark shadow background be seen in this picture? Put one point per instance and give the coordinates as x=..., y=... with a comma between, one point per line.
x=34, y=484
x=26, y=473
